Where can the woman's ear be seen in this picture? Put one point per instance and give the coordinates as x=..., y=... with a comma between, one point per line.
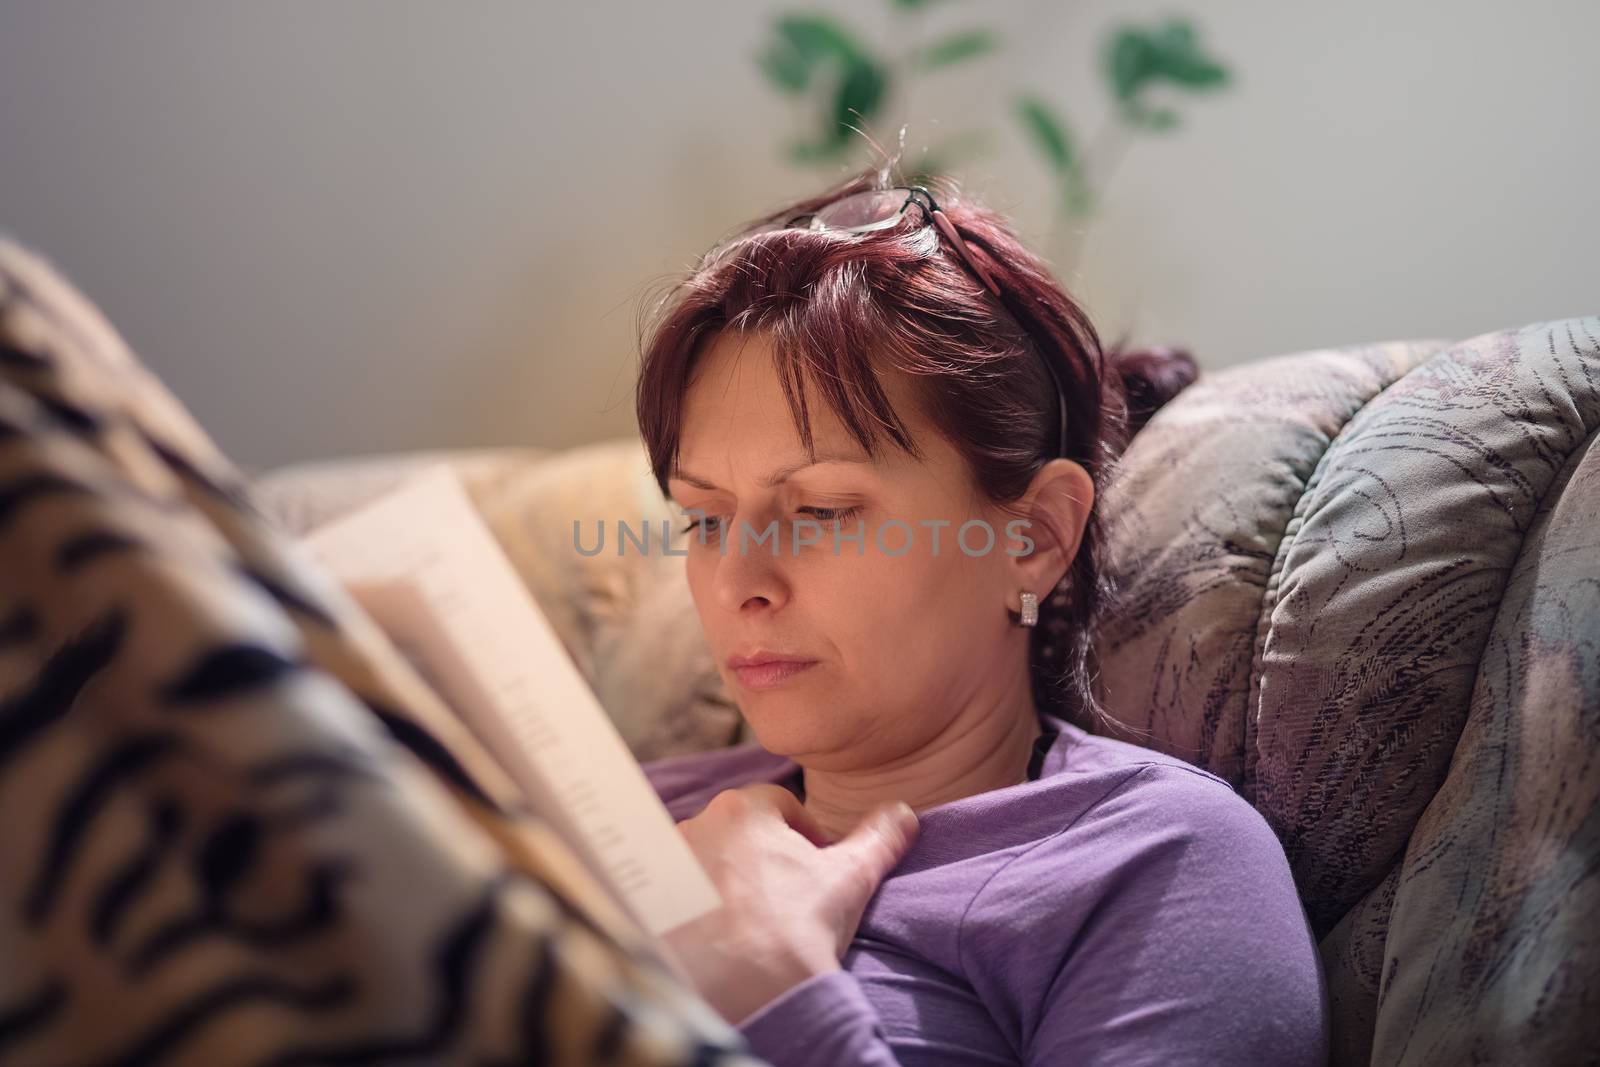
x=1060, y=498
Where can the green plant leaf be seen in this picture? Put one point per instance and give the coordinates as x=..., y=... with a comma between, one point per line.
x=1136, y=59
x=808, y=50
x=1176, y=34
x=957, y=47
x=1048, y=132
x=786, y=69
x=1129, y=63
x=859, y=97
x=1182, y=59
x=818, y=35
x=1197, y=73
x=801, y=45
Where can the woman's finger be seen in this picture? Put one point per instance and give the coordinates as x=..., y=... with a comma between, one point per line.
x=787, y=806
x=866, y=855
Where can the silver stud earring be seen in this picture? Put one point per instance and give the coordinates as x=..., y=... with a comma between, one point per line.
x=1030, y=609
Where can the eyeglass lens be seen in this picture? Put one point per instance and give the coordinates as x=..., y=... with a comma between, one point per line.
x=862, y=209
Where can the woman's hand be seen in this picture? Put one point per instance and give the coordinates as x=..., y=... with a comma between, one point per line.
x=791, y=902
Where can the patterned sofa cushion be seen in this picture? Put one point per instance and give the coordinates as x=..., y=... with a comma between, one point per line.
x=1361, y=585
x=1493, y=946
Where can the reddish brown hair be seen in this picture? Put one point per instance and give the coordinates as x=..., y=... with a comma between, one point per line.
x=843, y=309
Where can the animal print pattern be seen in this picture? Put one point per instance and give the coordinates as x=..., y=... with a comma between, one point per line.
x=1363, y=585
x=237, y=827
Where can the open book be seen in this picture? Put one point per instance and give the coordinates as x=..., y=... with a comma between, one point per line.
x=431, y=574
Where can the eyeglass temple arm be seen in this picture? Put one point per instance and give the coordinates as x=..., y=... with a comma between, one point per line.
x=946, y=227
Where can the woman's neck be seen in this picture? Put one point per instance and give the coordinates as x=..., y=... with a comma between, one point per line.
x=977, y=752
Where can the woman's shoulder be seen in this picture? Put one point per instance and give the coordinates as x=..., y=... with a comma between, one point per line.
x=1079, y=751
x=1145, y=799
x=1110, y=822
x=1169, y=889
x=687, y=782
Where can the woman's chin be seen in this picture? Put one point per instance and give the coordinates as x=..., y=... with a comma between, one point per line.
x=782, y=725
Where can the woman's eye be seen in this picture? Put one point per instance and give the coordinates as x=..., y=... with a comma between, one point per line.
x=832, y=514
x=714, y=522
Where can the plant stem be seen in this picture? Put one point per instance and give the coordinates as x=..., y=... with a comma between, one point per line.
x=1107, y=148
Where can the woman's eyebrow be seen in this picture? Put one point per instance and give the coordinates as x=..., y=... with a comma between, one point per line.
x=778, y=476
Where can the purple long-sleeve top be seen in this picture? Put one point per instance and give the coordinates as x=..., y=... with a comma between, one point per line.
x=1120, y=907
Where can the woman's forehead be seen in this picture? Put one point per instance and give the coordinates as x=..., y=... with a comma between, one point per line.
x=737, y=423
x=737, y=393
x=737, y=390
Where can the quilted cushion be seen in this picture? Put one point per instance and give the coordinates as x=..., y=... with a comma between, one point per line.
x=1196, y=516
x=1493, y=949
x=1360, y=584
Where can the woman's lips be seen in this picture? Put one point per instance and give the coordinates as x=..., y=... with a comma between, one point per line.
x=767, y=675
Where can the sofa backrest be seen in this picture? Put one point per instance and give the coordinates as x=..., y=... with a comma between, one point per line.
x=1364, y=586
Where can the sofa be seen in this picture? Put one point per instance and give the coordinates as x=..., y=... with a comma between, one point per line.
x=1361, y=583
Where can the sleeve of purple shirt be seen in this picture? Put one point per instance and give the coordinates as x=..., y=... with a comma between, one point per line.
x=1193, y=948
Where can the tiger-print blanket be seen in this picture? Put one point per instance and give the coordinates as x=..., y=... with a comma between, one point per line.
x=235, y=826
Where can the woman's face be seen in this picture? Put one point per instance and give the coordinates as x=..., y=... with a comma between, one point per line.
x=903, y=638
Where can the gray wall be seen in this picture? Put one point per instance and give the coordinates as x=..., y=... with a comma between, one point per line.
x=367, y=226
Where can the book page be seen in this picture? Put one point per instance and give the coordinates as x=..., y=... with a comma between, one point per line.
x=431, y=574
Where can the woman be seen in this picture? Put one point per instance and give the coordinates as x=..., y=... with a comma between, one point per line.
x=888, y=426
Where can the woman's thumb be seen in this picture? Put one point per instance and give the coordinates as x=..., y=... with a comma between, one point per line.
x=875, y=846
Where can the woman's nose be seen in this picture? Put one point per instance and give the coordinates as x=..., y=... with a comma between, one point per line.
x=749, y=571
